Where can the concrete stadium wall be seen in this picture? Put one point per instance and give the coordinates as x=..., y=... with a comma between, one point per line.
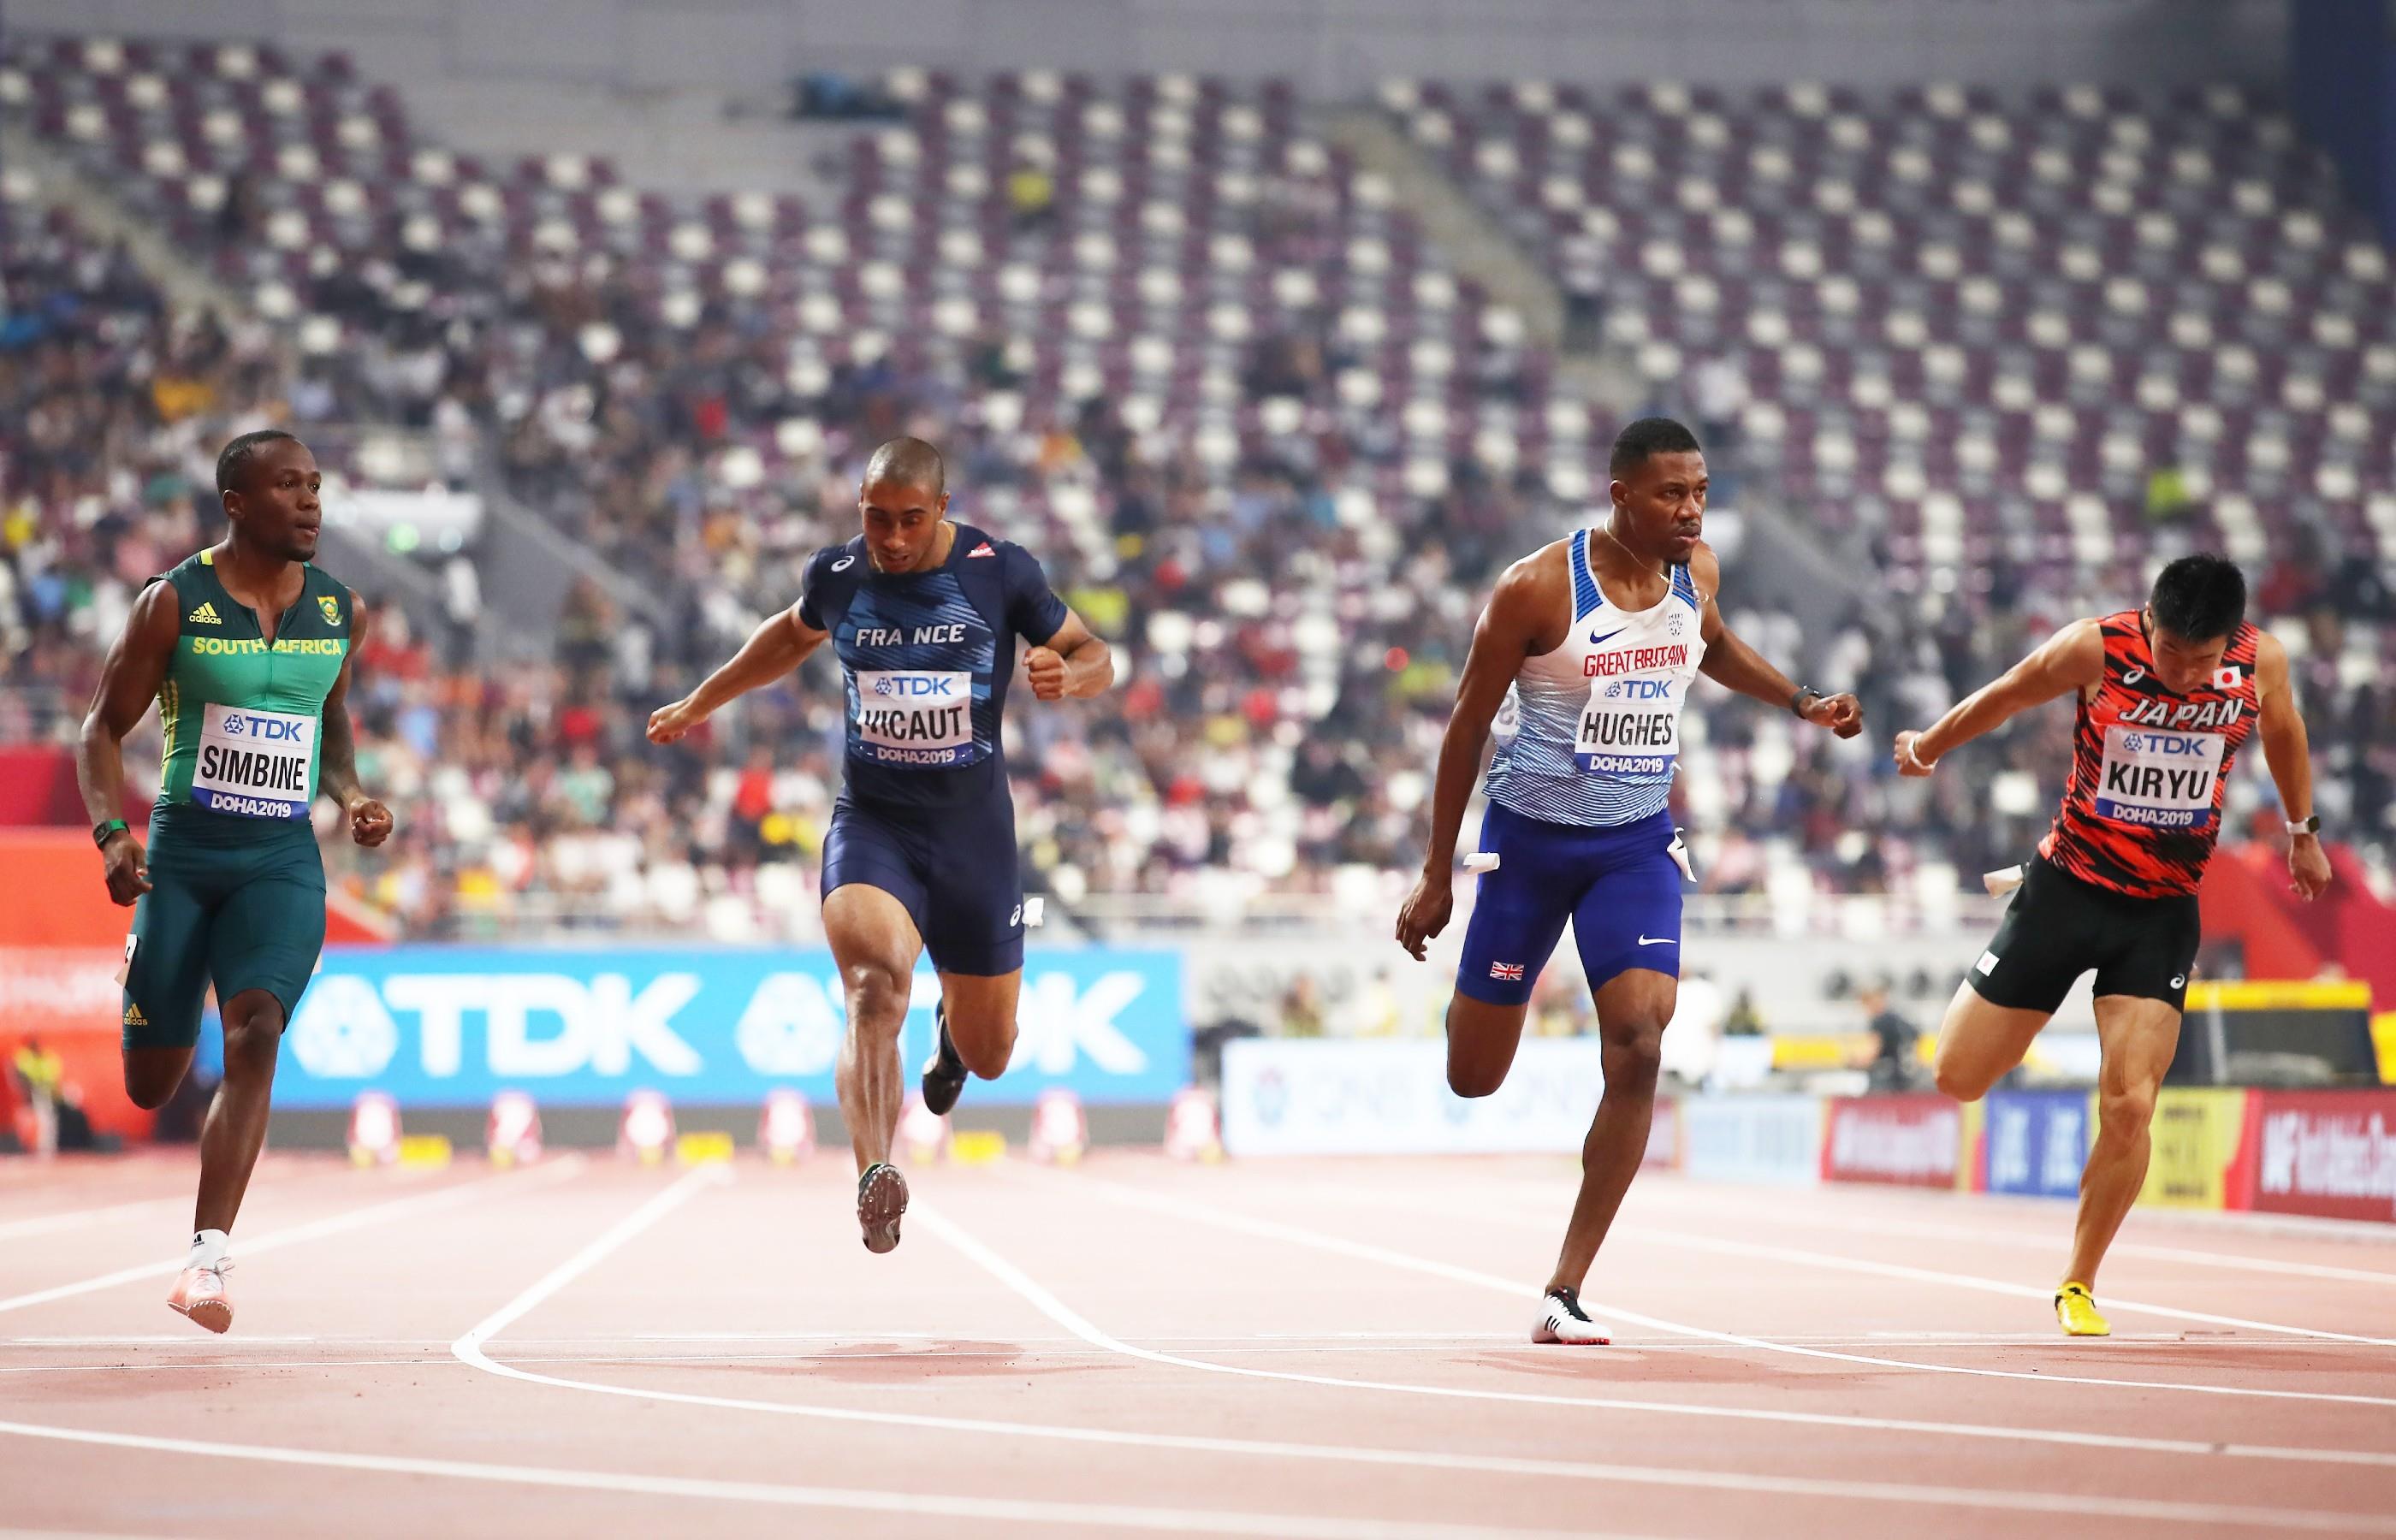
x=1331, y=48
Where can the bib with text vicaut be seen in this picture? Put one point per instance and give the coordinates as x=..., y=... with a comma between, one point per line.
x=916, y=717
x=256, y=765
x=2160, y=779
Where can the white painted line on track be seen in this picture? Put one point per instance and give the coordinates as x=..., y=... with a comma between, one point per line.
x=336, y=1224
x=1389, y=1459
x=1383, y=1257
x=913, y=1504
x=2114, y=1304
x=1926, y=1231
x=2008, y=1500
x=45, y=1224
x=469, y=1346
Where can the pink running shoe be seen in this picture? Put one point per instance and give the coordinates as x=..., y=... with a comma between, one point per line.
x=200, y=1294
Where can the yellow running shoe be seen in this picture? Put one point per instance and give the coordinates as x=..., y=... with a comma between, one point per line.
x=2076, y=1309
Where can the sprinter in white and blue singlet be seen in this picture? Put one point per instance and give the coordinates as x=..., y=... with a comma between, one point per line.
x=1580, y=667
x=924, y=614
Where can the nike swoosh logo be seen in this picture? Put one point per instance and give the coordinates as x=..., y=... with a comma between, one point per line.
x=1658, y=941
x=1595, y=640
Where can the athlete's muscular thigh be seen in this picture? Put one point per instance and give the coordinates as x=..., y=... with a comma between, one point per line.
x=1481, y=1037
x=874, y=941
x=1979, y=1042
x=980, y=1009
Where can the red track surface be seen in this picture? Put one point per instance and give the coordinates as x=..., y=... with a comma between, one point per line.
x=1289, y=1349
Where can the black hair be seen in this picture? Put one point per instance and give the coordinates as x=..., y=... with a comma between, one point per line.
x=908, y=462
x=232, y=464
x=1654, y=436
x=2199, y=598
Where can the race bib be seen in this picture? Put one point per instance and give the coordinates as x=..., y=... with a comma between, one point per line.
x=1628, y=727
x=2158, y=780
x=915, y=717
x=254, y=763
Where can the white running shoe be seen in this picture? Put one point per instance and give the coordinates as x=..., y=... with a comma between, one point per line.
x=1561, y=1319
x=199, y=1296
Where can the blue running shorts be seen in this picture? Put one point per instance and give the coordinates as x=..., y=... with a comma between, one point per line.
x=1620, y=887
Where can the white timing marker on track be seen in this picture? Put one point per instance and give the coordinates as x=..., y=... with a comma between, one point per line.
x=1383, y=1257
x=1115, y=1516
x=314, y=1229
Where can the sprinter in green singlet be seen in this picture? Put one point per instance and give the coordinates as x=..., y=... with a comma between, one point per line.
x=246, y=648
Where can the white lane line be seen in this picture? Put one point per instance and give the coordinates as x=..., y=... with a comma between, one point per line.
x=469, y=1346
x=1926, y=1231
x=2114, y=1303
x=315, y=1229
x=1383, y=1257
x=2011, y=1500
x=1388, y=1458
x=45, y=1224
x=916, y=1504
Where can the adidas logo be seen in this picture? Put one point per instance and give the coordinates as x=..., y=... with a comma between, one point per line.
x=204, y=616
x=133, y=1016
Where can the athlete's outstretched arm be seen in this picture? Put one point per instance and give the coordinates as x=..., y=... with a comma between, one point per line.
x=2287, y=754
x=369, y=819
x=128, y=683
x=1733, y=665
x=2074, y=658
x=779, y=643
x=1504, y=636
x=1073, y=662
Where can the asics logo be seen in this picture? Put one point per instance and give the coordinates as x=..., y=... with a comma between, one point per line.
x=2178, y=979
x=844, y=563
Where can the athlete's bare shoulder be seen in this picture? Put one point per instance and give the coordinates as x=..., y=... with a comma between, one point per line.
x=1540, y=580
x=1705, y=573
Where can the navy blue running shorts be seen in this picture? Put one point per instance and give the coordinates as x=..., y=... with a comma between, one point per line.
x=1620, y=887
x=953, y=868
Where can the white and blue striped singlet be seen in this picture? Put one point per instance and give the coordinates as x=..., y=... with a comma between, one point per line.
x=1588, y=732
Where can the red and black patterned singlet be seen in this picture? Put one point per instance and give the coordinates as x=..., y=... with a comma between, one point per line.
x=2148, y=767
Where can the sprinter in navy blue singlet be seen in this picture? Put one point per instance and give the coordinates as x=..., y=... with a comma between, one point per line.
x=925, y=814
x=924, y=615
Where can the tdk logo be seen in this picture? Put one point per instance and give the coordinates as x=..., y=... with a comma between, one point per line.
x=2163, y=743
x=910, y=684
x=273, y=729
x=1640, y=689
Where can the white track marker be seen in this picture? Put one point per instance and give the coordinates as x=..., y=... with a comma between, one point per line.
x=1847, y=1491
x=469, y=1346
x=1964, y=1280
x=2119, y=1248
x=1382, y=1257
x=916, y=1504
x=43, y=1223
x=336, y=1224
x=1403, y=1459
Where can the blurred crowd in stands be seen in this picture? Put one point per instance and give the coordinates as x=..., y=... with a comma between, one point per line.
x=1289, y=659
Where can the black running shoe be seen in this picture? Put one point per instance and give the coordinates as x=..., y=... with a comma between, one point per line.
x=1561, y=1319
x=881, y=1201
x=944, y=1073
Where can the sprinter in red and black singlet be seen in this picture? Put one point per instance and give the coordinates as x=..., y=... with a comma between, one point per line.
x=924, y=615
x=2151, y=768
x=2167, y=693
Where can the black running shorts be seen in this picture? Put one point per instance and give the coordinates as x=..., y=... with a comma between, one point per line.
x=2059, y=927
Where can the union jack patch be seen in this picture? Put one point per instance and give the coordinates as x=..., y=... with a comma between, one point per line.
x=1511, y=972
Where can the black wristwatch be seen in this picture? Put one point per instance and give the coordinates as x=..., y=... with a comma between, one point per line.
x=101, y=832
x=1798, y=701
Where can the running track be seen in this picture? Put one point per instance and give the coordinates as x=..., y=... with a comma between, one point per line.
x=1315, y=1349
